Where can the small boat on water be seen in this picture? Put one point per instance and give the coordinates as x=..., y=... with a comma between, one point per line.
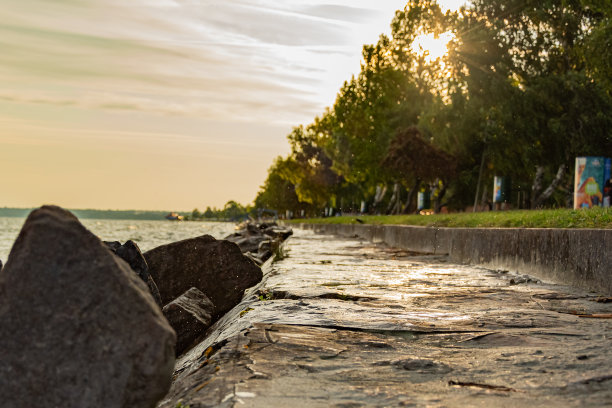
x=174, y=217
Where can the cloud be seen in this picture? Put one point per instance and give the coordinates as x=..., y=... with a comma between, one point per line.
x=341, y=13
x=268, y=60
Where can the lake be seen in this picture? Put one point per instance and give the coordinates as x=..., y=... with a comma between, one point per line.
x=147, y=234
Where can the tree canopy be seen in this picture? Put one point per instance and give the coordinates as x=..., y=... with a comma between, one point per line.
x=524, y=88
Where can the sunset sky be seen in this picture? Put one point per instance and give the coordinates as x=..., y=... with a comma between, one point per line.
x=166, y=104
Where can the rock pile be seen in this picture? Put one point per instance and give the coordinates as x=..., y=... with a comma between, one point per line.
x=98, y=324
x=259, y=241
x=78, y=328
x=215, y=267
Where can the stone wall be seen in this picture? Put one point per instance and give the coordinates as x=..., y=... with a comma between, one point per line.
x=576, y=257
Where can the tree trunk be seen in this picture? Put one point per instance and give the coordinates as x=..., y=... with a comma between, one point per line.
x=551, y=188
x=482, y=161
x=397, y=208
x=378, y=197
x=485, y=197
x=408, y=206
x=537, y=185
x=395, y=197
x=438, y=202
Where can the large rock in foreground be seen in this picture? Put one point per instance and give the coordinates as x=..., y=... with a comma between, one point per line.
x=217, y=268
x=78, y=328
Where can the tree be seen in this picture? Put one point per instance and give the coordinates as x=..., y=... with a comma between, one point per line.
x=414, y=160
x=209, y=213
x=524, y=89
x=309, y=168
x=521, y=86
x=233, y=211
x=278, y=193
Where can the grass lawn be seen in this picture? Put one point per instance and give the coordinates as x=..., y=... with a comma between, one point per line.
x=560, y=218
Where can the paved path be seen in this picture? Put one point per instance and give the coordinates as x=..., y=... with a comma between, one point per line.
x=342, y=323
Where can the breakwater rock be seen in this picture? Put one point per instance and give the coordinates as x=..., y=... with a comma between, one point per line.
x=215, y=267
x=131, y=254
x=78, y=328
x=201, y=279
x=259, y=241
x=86, y=323
x=190, y=315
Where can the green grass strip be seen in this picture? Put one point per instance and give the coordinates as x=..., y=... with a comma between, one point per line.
x=559, y=218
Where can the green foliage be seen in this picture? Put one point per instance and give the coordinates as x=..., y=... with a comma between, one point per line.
x=209, y=213
x=526, y=86
x=195, y=214
x=232, y=211
x=278, y=191
x=280, y=253
x=245, y=311
x=265, y=296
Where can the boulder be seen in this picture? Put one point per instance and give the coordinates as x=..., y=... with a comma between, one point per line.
x=259, y=241
x=130, y=253
x=278, y=232
x=189, y=315
x=252, y=229
x=217, y=268
x=77, y=327
x=265, y=225
x=248, y=243
x=254, y=258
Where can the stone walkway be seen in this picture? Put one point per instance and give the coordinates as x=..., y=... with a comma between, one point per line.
x=342, y=323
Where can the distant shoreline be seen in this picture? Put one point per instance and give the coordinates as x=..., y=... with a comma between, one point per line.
x=94, y=214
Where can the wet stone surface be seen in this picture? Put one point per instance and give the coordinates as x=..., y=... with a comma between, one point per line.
x=342, y=323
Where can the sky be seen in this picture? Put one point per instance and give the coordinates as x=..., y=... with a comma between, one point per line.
x=166, y=104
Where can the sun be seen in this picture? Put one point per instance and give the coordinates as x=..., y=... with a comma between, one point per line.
x=432, y=47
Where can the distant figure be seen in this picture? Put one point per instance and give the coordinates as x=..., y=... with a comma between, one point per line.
x=607, y=196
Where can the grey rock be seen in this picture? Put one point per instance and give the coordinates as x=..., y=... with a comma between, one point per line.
x=254, y=258
x=216, y=267
x=189, y=315
x=265, y=245
x=247, y=244
x=266, y=249
x=77, y=327
x=252, y=229
x=278, y=232
x=259, y=241
x=130, y=253
x=264, y=255
x=265, y=225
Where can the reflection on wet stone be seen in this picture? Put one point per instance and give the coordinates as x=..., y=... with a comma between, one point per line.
x=339, y=323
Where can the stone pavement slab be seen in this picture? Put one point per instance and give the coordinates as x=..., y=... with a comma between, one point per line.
x=344, y=323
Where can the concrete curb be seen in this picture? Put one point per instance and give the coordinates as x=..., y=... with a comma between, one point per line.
x=576, y=257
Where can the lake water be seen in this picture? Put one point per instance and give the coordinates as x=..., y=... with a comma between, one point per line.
x=147, y=234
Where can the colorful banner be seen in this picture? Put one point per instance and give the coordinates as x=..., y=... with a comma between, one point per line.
x=591, y=177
